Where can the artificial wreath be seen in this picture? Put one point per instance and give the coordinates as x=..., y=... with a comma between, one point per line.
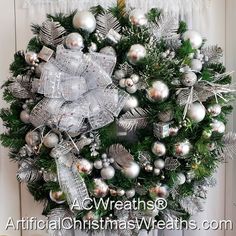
x=118, y=104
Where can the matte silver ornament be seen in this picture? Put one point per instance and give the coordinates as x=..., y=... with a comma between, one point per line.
x=159, y=163
x=136, y=53
x=189, y=79
x=25, y=117
x=132, y=171
x=84, y=166
x=98, y=164
x=84, y=20
x=159, y=149
x=131, y=103
x=130, y=193
x=137, y=17
x=107, y=172
x=157, y=171
x=135, y=78
x=74, y=41
x=194, y=37
x=31, y=58
x=218, y=126
x=214, y=109
x=180, y=179
x=196, y=112
x=32, y=138
x=158, y=92
x=182, y=149
x=51, y=140
x=196, y=65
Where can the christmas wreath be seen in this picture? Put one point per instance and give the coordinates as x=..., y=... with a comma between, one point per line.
x=119, y=105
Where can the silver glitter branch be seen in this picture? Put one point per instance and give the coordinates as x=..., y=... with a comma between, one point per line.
x=212, y=54
x=229, y=146
x=191, y=204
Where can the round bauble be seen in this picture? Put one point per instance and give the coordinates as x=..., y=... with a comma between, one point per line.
x=159, y=191
x=32, y=138
x=218, y=126
x=51, y=140
x=180, y=179
x=165, y=116
x=58, y=197
x=159, y=164
x=182, y=149
x=157, y=171
x=196, y=65
x=136, y=53
x=130, y=193
x=129, y=82
x=132, y=89
x=93, y=47
x=194, y=37
x=137, y=17
x=159, y=92
x=31, y=58
x=107, y=172
x=196, y=112
x=214, y=110
x=207, y=134
x=132, y=102
x=132, y=171
x=84, y=166
x=173, y=130
x=119, y=74
x=135, y=78
x=74, y=41
x=100, y=188
x=148, y=168
x=159, y=149
x=25, y=117
x=120, y=192
x=98, y=164
x=189, y=79
x=84, y=20
x=108, y=50
x=122, y=83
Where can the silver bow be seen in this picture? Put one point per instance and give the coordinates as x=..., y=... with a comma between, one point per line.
x=82, y=88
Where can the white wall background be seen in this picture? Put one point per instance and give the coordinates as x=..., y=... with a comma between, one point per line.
x=218, y=26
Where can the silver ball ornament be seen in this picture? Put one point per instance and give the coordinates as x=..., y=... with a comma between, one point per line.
x=98, y=164
x=137, y=17
x=84, y=166
x=84, y=20
x=131, y=103
x=159, y=149
x=32, y=138
x=57, y=197
x=214, y=110
x=196, y=112
x=74, y=41
x=194, y=37
x=108, y=172
x=31, y=58
x=100, y=189
x=159, y=92
x=218, y=126
x=130, y=193
x=122, y=83
x=196, y=65
x=129, y=82
x=120, y=192
x=148, y=168
x=132, y=171
x=51, y=140
x=136, y=53
x=189, y=79
x=180, y=179
x=119, y=74
x=25, y=117
x=182, y=149
x=132, y=89
x=135, y=78
x=108, y=50
x=159, y=164
x=157, y=171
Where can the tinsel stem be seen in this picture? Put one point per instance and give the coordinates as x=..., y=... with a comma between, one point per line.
x=122, y=6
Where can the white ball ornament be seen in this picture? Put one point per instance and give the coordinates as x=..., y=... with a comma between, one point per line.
x=137, y=17
x=131, y=103
x=196, y=65
x=159, y=149
x=84, y=20
x=108, y=172
x=122, y=83
x=214, y=109
x=189, y=79
x=132, y=171
x=180, y=179
x=196, y=112
x=136, y=53
x=98, y=164
x=130, y=193
x=74, y=41
x=132, y=89
x=119, y=74
x=32, y=138
x=159, y=164
x=25, y=117
x=31, y=58
x=159, y=92
x=218, y=126
x=100, y=189
x=135, y=78
x=51, y=140
x=182, y=149
x=84, y=166
x=194, y=37
x=157, y=171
